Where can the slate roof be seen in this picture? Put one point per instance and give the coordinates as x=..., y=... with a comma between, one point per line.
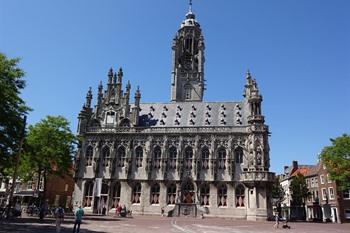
x=192, y=114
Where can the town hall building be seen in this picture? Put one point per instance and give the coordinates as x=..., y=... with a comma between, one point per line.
x=183, y=157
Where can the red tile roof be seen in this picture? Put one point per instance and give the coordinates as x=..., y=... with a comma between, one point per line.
x=304, y=171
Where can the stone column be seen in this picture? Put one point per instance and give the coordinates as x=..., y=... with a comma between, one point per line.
x=230, y=196
x=125, y=194
x=163, y=195
x=145, y=196
x=213, y=199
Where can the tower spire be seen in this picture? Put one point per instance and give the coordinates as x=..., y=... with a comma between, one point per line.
x=188, y=61
x=190, y=6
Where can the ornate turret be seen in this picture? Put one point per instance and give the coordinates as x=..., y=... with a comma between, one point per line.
x=118, y=91
x=136, y=109
x=85, y=113
x=88, y=99
x=137, y=97
x=188, y=61
x=251, y=94
x=110, y=87
x=126, y=99
x=99, y=98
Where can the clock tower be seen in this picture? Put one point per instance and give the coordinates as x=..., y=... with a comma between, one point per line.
x=187, y=82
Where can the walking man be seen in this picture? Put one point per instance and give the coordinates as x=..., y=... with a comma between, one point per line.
x=59, y=214
x=79, y=213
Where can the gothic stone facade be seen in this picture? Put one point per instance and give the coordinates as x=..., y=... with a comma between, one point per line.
x=151, y=156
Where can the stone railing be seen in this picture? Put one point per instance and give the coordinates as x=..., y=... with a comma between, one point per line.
x=217, y=129
x=260, y=176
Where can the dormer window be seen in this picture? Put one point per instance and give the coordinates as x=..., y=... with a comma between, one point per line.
x=110, y=118
x=125, y=123
x=187, y=91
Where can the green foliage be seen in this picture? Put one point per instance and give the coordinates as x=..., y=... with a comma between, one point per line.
x=12, y=109
x=49, y=147
x=299, y=190
x=336, y=158
x=277, y=191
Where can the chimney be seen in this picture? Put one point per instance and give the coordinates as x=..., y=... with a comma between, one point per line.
x=295, y=164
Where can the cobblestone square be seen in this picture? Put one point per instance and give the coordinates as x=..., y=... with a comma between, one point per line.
x=157, y=224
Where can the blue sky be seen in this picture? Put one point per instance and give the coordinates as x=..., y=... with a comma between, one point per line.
x=299, y=52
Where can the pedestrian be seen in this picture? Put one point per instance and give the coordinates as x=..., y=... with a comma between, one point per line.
x=118, y=209
x=59, y=215
x=79, y=213
x=104, y=210
x=277, y=221
x=43, y=210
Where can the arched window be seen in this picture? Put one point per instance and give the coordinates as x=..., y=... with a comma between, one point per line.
x=116, y=194
x=121, y=156
x=88, y=155
x=88, y=194
x=240, y=196
x=205, y=194
x=157, y=157
x=171, y=194
x=136, y=193
x=222, y=195
x=239, y=155
x=155, y=191
x=105, y=156
x=205, y=158
x=221, y=158
x=104, y=194
x=188, y=44
x=172, y=157
x=188, y=157
x=139, y=156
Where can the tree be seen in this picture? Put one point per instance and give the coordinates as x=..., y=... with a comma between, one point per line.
x=12, y=109
x=277, y=191
x=49, y=149
x=336, y=158
x=299, y=190
x=277, y=194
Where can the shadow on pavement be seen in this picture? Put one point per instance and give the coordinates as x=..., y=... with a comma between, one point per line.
x=47, y=225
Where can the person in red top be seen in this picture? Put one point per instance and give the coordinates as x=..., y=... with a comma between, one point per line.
x=118, y=209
